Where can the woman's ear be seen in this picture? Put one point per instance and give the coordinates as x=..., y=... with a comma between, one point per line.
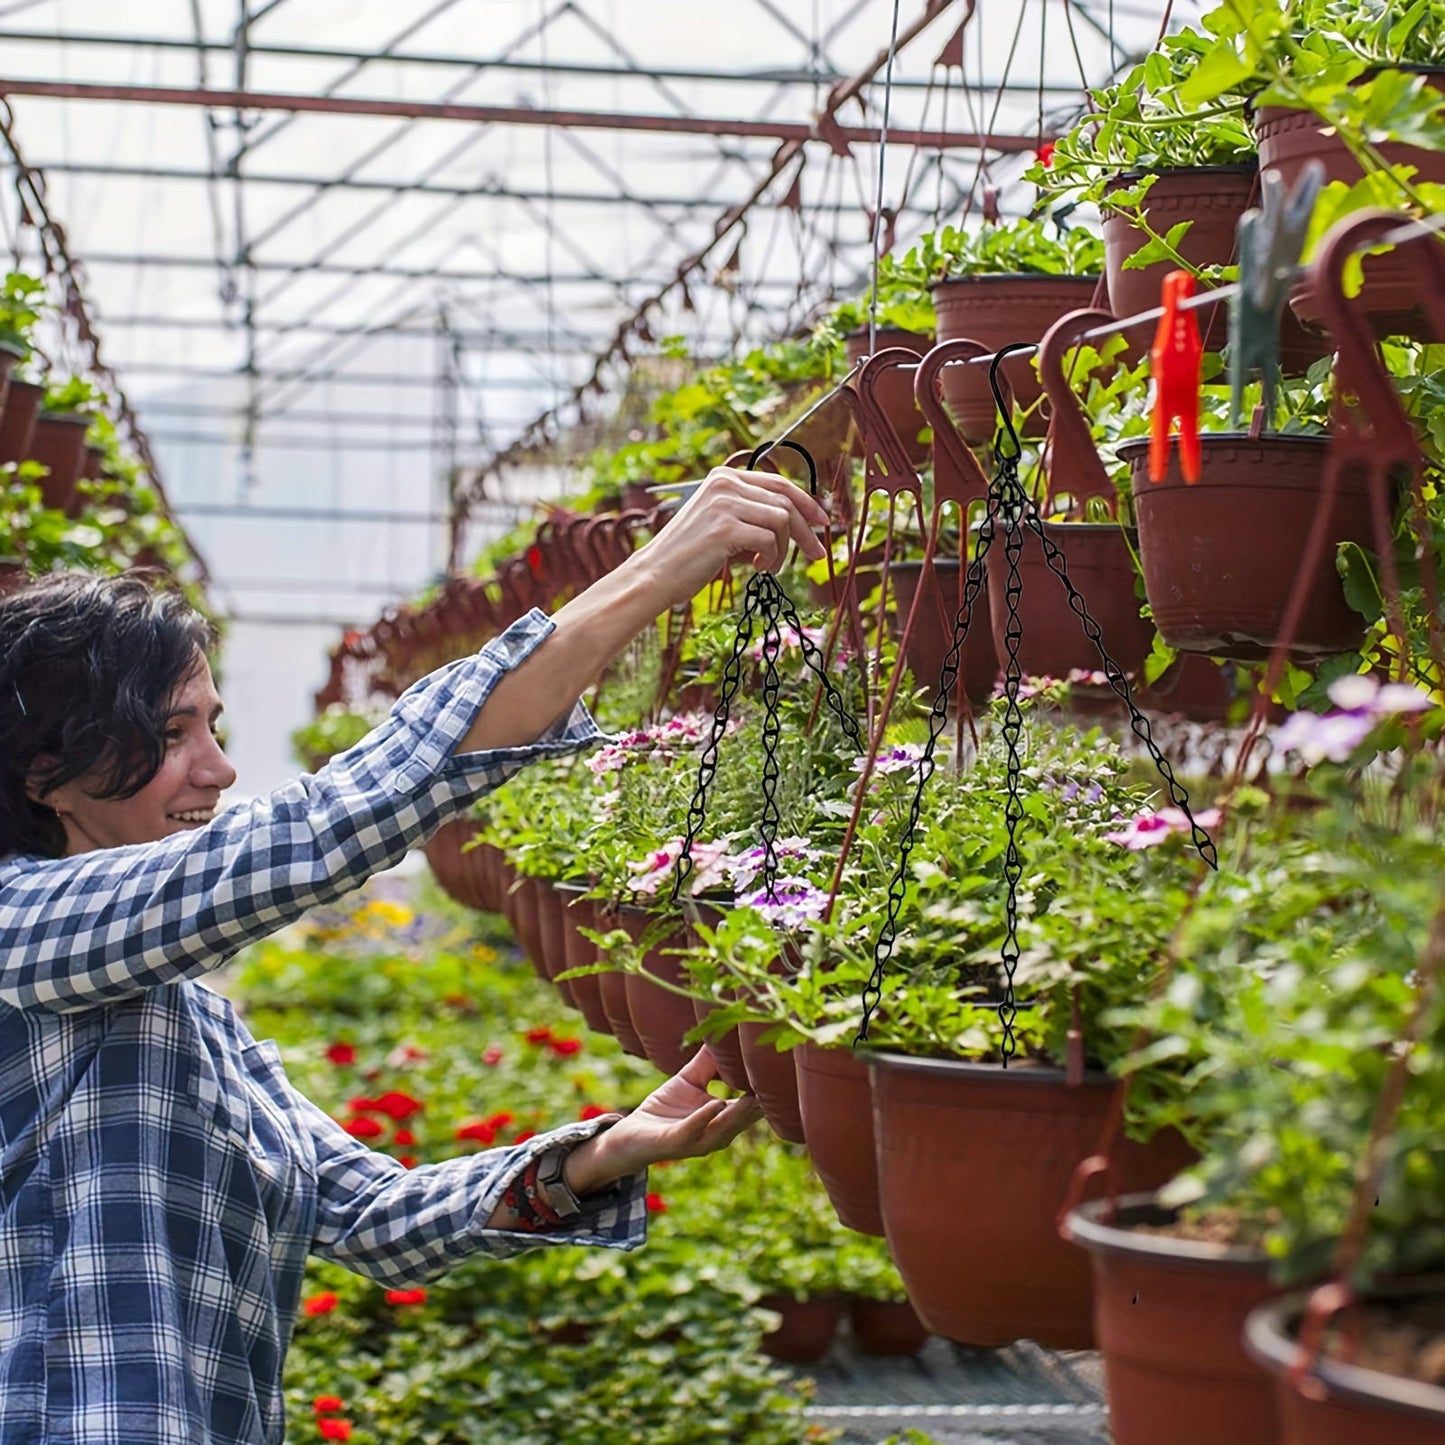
x=33, y=782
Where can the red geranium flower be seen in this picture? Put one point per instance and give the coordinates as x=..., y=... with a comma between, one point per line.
x=539, y=1036
x=342, y=1053
x=321, y=1304
x=399, y=1106
x=324, y=1403
x=406, y=1296
x=524, y=1136
x=334, y=1429
x=364, y=1128
x=492, y=1056
x=407, y=1161
x=1045, y=154
x=656, y=1204
x=592, y=1111
x=502, y=1120
x=565, y=1048
x=404, y=1138
x=363, y=1106
x=480, y=1130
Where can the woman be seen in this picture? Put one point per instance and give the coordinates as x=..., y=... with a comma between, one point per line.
x=161, y=1182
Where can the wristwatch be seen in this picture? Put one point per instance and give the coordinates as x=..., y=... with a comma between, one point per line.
x=553, y=1187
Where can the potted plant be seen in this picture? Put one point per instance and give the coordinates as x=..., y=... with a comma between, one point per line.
x=58, y=440
x=21, y=304
x=1308, y=958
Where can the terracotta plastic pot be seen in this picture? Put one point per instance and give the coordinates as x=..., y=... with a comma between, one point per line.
x=835, y=1101
x=886, y=1327
x=58, y=442
x=1361, y=1407
x=578, y=952
x=807, y=1329
x=619, y=1015
x=773, y=1078
x=726, y=1048
x=1169, y=1318
x=527, y=922
x=17, y=419
x=552, y=937
x=1054, y=643
x=895, y=388
x=486, y=869
x=660, y=1017
x=1288, y=140
x=8, y=357
x=444, y=854
x=974, y=1163
x=932, y=635
x=12, y=575
x=999, y=310
x=1220, y=555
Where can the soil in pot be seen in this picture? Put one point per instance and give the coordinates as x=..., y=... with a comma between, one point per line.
x=932, y=635
x=997, y=311
x=1385, y=1392
x=835, y=1102
x=1288, y=140
x=886, y=1327
x=974, y=1162
x=17, y=419
x=1169, y=1316
x=807, y=1328
x=1054, y=643
x=578, y=952
x=895, y=388
x=773, y=1078
x=660, y=1016
x=58, y=442
x=1221, y=554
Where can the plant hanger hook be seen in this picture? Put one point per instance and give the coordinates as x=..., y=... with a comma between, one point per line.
x=1005, y=406
x=762, y=451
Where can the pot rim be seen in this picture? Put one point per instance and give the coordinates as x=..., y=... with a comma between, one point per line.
x=1236, y=168
x=13, y=350
x=1040, y=1074
x=1090, y=1232
x=1268, y=1343
x=985, y=277
x=862, y=331
x=1135, y=446
x=72, y=418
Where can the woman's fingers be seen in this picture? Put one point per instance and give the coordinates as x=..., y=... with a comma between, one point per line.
x=803, y=512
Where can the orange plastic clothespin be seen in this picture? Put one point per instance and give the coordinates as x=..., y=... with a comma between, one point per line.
x=1176, y=356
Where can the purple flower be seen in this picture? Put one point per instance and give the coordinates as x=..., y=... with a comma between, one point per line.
x=904, y=757
x=794, y=901
x=1362, y=701
x=744, y=867
x=1152, y=828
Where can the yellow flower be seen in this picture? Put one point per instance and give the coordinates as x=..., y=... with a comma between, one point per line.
x=393, y=913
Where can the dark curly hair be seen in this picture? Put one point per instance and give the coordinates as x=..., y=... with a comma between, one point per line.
x=88, y=668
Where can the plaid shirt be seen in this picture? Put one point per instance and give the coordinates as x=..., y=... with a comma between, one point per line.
x=161, y=1181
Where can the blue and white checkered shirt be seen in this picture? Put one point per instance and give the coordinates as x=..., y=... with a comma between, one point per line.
x=161, y=1182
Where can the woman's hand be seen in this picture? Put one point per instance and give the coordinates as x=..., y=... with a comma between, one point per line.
x=680, y=1120
x=734, y=513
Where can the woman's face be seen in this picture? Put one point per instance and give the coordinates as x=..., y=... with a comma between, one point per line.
x=181, y=797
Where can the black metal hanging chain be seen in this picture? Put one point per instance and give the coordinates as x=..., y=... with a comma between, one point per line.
x=1009, y=505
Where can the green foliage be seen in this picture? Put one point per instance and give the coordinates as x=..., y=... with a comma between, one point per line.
x=22, y=301
x=331, y=731
x=74, y=395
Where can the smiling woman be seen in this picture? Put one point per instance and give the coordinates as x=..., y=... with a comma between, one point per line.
x=161, y=1181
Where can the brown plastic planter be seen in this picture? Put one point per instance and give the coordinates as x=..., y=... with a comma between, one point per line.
x=974, y=1163
x=552, y=933
x=619, y=1016
x=773, y=1078
x=1054, y=643
x=527, y=922
x=999, y=310
x=58, y=442
x=12, y=575
x=726, y=1049
x=886, y=1327
x=807, y=1329
x=578, y=952
x=895, y=388
x=17, y=420
x=1169, y=1318
x=660, y=1017
x=1288, y=140
x=1361, y=1407
x=932, y=634
x=1220, y=555
x=835, y=1101
x=444, y=854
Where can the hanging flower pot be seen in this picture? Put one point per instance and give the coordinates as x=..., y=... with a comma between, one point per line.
x=895, y=388
x=886, y=1327
x=1288, y=141
x=932, y=634
x=1361, y=1404
x=773, y=1078
x=974, y=1162
x=1220, y=555
x=17, y=419
x=726, y=1048
x=444, y=853
x=579, y=912
x=58, y=443
x=1169, y=1316
x=835, y=1102
x=527, y=922
x=661, y=1016
x=999, y=310
x=807, y=1328
x=552, y=937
